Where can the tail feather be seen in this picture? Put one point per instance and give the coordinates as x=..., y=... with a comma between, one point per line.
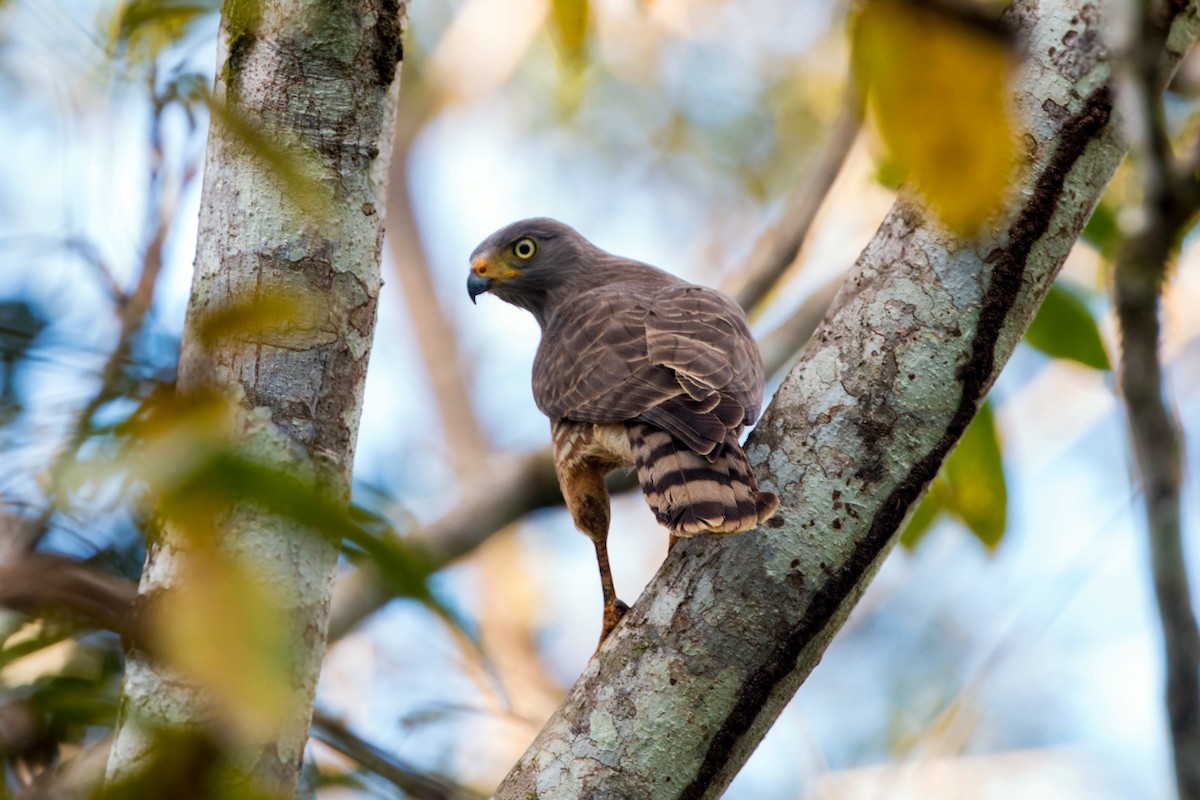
x=692, y=493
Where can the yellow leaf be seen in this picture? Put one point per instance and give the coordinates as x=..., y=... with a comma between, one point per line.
x=143, y=28
x=220, y=628
x=937, y=87
x=271, y=316
x=174, y=433
x=570, y=20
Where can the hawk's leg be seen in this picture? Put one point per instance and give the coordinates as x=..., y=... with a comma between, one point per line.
x=583, y=488
x=614, y=609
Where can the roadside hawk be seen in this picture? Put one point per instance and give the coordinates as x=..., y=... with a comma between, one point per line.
x=636, y=368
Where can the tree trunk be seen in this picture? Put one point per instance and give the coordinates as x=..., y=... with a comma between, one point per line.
x=322, y=77
x=685, y=689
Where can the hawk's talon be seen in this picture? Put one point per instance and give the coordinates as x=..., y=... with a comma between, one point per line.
x=613, y=614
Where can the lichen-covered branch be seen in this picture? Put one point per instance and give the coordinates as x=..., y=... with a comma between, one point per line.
x=294, y=194
x=683, y=691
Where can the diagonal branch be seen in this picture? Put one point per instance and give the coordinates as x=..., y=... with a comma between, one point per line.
x=777, y=249
x=684, y=690
x=408, y=779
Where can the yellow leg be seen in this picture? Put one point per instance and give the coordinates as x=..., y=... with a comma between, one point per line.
x=614, y=609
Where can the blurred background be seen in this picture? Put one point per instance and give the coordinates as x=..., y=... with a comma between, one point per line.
x=1011, y=648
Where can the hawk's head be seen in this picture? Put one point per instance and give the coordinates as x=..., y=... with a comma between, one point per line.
x=521, y=262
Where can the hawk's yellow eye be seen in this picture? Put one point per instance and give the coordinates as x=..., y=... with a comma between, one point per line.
x=524, y=248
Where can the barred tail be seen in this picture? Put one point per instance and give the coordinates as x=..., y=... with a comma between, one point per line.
x=691, y=494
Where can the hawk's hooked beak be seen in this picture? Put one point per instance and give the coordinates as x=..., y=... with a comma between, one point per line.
x=486, y=269
x=479, y=281
x=477, y=284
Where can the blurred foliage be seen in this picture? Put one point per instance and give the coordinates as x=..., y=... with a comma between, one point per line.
x=1065, y=328
x=188, y=765
x=268, y=315
x=141, y=29
x=943, y=115
x=1101, y=230
x=970, y=488
x=220, y=628
x=570, y=25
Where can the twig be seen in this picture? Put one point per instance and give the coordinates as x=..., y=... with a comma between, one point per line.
x=1171, y=200
x=43, y=583
x=775, y=251
x=413, y=782
x=132, y=309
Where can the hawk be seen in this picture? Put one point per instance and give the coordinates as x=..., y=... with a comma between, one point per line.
x=639, y=368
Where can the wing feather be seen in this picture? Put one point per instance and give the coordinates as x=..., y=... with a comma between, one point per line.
x=678, y=356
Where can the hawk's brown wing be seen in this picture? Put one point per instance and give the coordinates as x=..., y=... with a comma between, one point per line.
x=675, y=355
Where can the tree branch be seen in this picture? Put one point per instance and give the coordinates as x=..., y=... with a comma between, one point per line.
x=700, y=667
x=43, y=583
x=410, y=780
x=265, y=232
x=1171, y=198
x=778, y=248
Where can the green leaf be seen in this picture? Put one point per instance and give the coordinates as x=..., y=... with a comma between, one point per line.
x=926, y=513
x=1064, y=328
x=976, y=490
x=1101, y=231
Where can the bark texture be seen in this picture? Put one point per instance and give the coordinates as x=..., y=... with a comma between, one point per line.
x=320, y=77
x=689, y=683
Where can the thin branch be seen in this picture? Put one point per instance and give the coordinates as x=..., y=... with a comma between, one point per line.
x=778, y=248
x=132, y=310
x=410, y=780
x=1171, y=198
x=42, y=583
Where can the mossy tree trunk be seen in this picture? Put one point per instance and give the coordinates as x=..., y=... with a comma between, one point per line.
x=292, y=205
